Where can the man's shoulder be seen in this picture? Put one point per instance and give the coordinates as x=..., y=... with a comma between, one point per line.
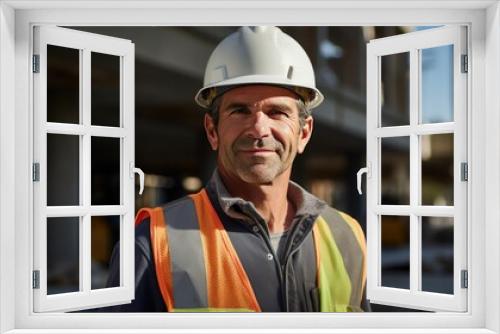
x=142, y=228
x=183, y=201
x=342, y=223
x=332, y=214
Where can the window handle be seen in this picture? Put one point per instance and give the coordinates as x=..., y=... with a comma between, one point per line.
x=360, y=174
x=141, y=179
x=135, y=170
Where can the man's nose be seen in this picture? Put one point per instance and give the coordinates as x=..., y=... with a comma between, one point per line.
x=259, y=126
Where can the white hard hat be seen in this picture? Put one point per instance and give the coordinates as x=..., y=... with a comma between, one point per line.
x=259, y=55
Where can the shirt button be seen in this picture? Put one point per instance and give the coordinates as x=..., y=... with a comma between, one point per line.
x=255, y=228
x=270, y=256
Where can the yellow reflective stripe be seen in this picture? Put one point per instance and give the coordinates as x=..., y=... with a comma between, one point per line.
x=333, y=280
x=360, y=237
x=211, y=309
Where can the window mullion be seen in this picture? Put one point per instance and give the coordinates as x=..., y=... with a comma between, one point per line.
x=123, y=175
x=85, y=235
x=415, y=249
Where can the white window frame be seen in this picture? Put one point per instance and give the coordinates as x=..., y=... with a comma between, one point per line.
x=16, y=133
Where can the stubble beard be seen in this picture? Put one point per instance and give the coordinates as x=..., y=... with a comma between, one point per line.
x=262, y=170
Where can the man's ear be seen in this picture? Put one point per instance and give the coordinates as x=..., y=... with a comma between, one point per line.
x=211, y=130
x=305, y=134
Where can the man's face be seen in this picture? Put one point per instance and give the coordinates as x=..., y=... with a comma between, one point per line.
x=258, y=134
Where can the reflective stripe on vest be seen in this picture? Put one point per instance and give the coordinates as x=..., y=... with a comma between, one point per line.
x=198, y=269
x=340, y=257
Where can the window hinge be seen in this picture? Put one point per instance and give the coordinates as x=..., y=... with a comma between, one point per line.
x=36, y=279
x=464, y=171
x=465, y=279
x=36, y=63
x=465, y=64
x=36, y=172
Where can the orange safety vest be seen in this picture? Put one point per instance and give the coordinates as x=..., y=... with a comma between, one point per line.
x=226, y=286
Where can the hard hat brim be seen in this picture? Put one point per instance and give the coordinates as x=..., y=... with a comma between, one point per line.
x=202, y=100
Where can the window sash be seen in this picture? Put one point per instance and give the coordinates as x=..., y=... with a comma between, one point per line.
x=413, y=297
x=85, y=43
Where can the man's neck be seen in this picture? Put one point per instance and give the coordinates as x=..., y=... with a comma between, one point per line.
x=270, y=200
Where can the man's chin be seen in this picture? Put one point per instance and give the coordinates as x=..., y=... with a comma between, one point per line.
x=259, y=175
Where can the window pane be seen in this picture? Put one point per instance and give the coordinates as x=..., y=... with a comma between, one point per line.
x=63, y=84
x=105, y=235
x=396, y=251
x=395, y=156
x=105, y=89
x=105, y=171
x=63, y=178
x=437, y=84
x=437, y=254
x=395, y=89
x=437, y=169
x=63, y=254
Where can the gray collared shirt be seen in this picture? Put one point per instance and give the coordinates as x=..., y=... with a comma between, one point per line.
x=238, y=208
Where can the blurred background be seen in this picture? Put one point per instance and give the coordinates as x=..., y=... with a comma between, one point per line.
x=172, y=150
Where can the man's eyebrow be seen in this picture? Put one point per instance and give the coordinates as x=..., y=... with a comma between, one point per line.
x=280, y=106
x=236, y=105
x=274, y=105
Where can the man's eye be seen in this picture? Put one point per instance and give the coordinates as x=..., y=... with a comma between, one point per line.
x=277, y=112
x=238, y=111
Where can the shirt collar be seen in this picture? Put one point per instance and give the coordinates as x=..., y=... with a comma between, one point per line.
x=236, y=207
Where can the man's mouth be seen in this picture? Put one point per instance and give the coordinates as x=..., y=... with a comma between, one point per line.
x=258, y=152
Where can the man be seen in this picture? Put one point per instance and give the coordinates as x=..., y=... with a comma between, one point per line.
x=251, y=240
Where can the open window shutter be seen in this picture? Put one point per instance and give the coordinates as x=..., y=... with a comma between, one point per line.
x=83, y=168
x=416, y=129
